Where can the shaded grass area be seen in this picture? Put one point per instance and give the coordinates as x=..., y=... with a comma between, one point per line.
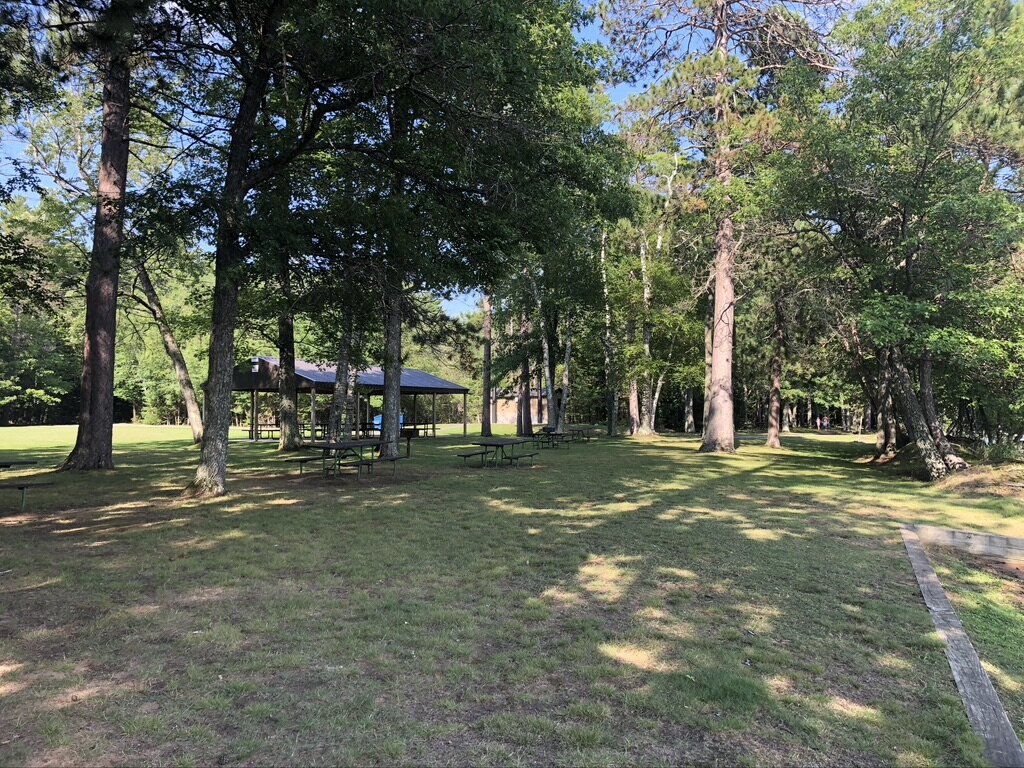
x=620, y=603
x=990, y=602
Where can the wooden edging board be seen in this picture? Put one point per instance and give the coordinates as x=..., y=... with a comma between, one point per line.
x=984, y=709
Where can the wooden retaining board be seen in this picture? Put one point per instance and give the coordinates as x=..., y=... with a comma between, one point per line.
x=984, y=709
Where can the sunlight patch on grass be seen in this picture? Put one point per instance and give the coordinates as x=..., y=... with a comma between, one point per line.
x=608, y=579
x=650, y=659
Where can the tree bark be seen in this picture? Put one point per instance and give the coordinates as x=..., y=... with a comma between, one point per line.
x=564, y=402
x=775, y=396
x=389, y=426
x=211, y=475
x=885, y=436
x=689, y=424
x=634, y=407
x=953, y=461
x=913, y=417
x=709, y=338
x=610, y=377
x=94, y=444
x=188, y=392
x=645, y=427
x=719, y=433
x=485, y=410
x=288, y=411
x=339, y=425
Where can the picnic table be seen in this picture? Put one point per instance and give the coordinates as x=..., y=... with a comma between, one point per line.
x=24, y=484
x=506, y=447
x=548, y=437
x=580, y=431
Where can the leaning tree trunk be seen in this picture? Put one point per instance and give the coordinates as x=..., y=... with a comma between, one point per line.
x=94, y=445
x=775, y=397
x=389, y=425
x=485, y=411
x=913, y=417
x=188, y=392
x=953, y=461
x=288, y=410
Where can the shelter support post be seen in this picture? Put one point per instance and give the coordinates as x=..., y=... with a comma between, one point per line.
x=465, y=414
x=252, y=416
x=312, y=414
x=433, y=413
x=414, y=418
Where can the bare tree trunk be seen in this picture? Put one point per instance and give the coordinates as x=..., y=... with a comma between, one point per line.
x=610, y=377
x=787, y=417
x=775, y=396
x=188, y=392
x=288, y=411
x=563, y=403
x=689, y=426
x=709, y=337
x=94, y=444
x=634, y=408
x=485, y=410
x=885, y=437
x=913, y=417
x=646, y=394
x=391, y=410
x=525, y=420
x=953, y=462
x=211, y=474
x=338, y=422
x=719, y=433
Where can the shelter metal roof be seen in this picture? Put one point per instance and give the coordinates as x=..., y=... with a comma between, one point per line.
x=263, y=372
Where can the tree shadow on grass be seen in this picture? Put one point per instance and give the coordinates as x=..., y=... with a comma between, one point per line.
x=623, y=602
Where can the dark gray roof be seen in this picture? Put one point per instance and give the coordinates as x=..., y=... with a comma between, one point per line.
x=310, y=376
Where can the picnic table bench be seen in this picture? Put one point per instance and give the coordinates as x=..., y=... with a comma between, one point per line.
x=502, y=449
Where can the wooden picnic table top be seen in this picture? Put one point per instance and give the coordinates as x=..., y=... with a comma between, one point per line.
x=343, y=445
x=499, y=442
x=7, y=464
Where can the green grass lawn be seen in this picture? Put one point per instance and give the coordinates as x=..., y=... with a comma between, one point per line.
x=990, y=603
x=620, y=603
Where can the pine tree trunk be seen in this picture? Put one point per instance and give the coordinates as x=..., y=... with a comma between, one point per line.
x=709, y=337
x=787, y=417
x=211, y=474
x=391, y=410
x=953, y=461
x=564, y=402
x=525, y=420
x=775, y=396
x=288, y=411
x=913, y=417
x=338, y=425
x=689, y=424
x=610, y=377
x=485, y=410
x=885, y=436
x=634, y=407
x=94, y=444
x=188, y=392
x=719, y=432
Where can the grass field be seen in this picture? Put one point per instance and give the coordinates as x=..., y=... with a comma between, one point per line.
x=990, y=602
x=620, y=603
